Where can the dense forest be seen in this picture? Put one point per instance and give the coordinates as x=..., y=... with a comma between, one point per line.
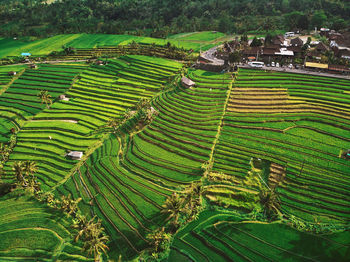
x=159, y=18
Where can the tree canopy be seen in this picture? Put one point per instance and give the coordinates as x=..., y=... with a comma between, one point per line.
x=162, y=17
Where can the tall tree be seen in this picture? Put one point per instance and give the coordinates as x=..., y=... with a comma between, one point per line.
x=45, y=98
x=18, y=168
x=173, y=207
x=30, y=168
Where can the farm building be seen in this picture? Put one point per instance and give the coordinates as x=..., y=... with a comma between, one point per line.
x=187, y=83
x=33, y=66
x=99, y=62
x=75, y=155
x=63, y=98
x=321, y=47
x=12, y=73
x=296, y=42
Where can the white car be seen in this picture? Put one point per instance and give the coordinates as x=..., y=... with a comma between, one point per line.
x=277, y=64
x=273, y=64
x=290, y=66
x=256, y=64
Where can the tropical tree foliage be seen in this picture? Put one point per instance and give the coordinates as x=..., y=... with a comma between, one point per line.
x=161, y=18
x=24, y=175
x=92, y=233
x=45, y=98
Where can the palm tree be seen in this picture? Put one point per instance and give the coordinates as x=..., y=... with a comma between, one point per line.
x=96, y=246
x=270, y=202
x=4, y=151
x=84, y=226
x=115, y=123
x=128, y=114
x=69, y=205
x=159, y=239
x=93, y=236
x=30, y=168
x=33, y=186
x=173, y=206
x=143, y=103
x=45, y=98
x=18, y=167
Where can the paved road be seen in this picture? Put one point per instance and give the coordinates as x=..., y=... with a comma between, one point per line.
x=50, y=62
x=209, y=55
x=300, y=71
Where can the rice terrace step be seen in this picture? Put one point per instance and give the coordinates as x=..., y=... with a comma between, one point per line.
x=118, y=147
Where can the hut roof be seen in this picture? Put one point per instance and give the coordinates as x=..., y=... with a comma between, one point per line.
x=321, y=47
x=187, y=81
x=269, y=50
x=296, y=42
x=75, y=154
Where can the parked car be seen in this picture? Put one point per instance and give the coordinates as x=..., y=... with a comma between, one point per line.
x=273, y=64
x=256, y=64
x=290, y=66
x=277, y=64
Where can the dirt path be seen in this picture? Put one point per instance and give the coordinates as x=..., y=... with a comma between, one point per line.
x=52, y=120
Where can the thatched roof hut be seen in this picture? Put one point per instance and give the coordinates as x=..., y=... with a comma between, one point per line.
x=75, y=155
x=187, y=83
x=63, y=98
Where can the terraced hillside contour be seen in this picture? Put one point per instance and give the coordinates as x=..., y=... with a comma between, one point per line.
x=293, y=127
x=20, y=102
x=30, y=230
x=298, y=123
x=127, y=190
x=100, y=93
x=224, y=237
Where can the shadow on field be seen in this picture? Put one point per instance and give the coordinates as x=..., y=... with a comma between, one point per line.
x=316, y=248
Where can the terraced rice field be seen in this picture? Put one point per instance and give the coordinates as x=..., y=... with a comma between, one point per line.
x=221, y=237
x=102, y=92
x=128, y=193
x=20, y=102
x=30, y=230
x=299, y=123
x=196, y=41
x=5, y=78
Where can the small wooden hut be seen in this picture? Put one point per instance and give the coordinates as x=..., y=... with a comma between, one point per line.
x=187, y=83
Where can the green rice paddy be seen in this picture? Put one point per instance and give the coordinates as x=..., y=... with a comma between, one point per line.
x=294, y=126
x=11, y=47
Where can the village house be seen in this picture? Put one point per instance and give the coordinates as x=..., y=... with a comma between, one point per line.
x=12, y=73
x=322, y=48
x=296, y=42
x=279, y=40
